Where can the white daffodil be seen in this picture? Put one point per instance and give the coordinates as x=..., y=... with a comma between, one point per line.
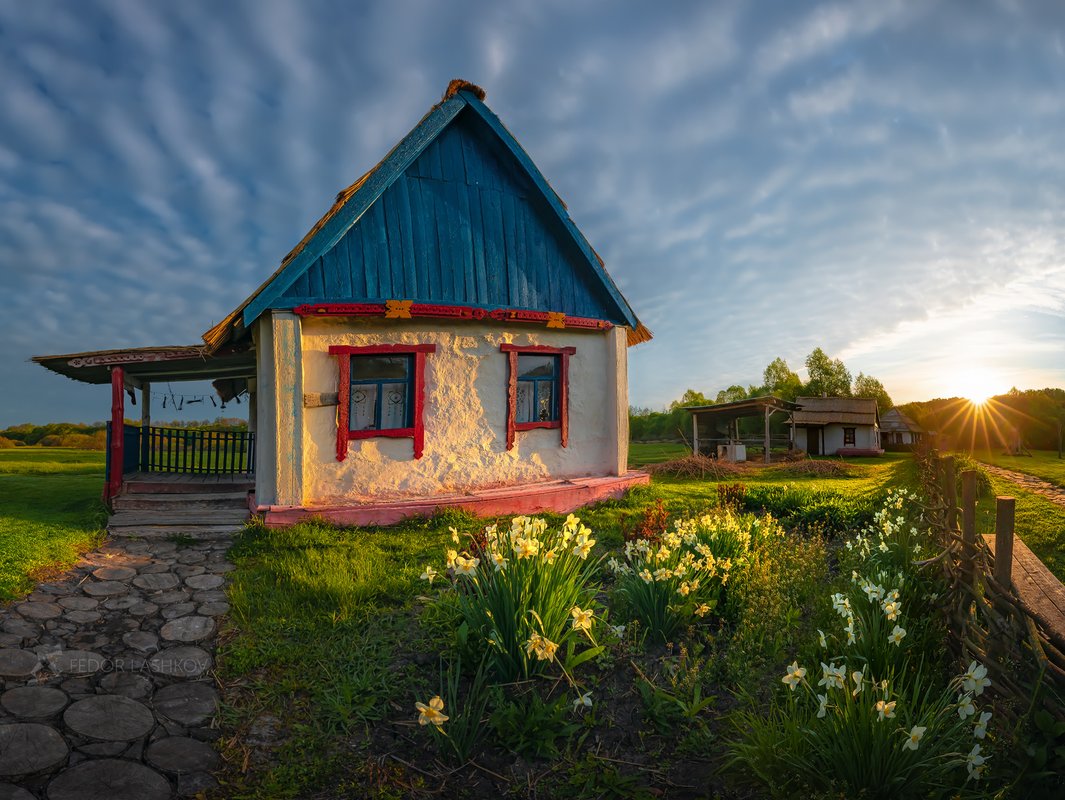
x=832, y=676
x=975, y=679
x=583, y=702
x=974, y=763
x=884, y=710
x=980, y=729
x=822, y=707
x=914, y=738
x=896, y=636
x=857, y=677
x=965, y=706
x=821, y=637
x=429, y=574
x=794, y=676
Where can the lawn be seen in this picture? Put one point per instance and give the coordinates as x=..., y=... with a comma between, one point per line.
x=1040, y=523
x=334, y=636
x=642, y=453
x=50, y=512
x=1043, y=464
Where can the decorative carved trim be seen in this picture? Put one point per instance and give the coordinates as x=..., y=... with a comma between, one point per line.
x=406, y=309
x=562, y=423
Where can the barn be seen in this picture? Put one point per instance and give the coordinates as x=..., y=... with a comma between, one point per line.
x=443, y=336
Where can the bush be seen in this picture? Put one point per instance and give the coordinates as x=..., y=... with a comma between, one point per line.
x=963, y=462
x=7, y=444
x=814, y=510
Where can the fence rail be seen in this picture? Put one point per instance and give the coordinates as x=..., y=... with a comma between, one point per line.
x=988, y=619
x=183, y=450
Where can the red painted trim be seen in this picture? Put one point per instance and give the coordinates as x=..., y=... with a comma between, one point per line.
x=560, y=496
x=562, y=423
x=441, y=311
x=118, y=433
x=344, y=432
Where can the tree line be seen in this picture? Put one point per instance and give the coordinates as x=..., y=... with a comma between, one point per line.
x=93, y=435
x=826, y=376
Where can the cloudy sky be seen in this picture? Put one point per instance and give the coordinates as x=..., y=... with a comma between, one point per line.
x=883, y=179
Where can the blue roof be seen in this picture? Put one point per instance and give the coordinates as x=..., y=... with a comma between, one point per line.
x=455, y=214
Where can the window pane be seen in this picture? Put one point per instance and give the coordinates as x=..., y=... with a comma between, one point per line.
x=536, y=366
x=394, y=406
x=545, y=397
x=363, y=407
x=524, y=406
x=376, y=368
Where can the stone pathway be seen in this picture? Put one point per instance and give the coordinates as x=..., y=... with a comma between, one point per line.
x=106, y=676
x=1055, y=494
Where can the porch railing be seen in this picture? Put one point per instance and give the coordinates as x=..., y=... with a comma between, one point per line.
x=202, y=452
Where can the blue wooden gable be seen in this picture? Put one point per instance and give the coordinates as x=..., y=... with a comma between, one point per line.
x=456, y=214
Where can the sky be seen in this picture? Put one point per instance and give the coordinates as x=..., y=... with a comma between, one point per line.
x=885, y=179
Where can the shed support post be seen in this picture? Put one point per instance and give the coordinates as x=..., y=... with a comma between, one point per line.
x=695, y=434
x=146, y=424
x=118, y=422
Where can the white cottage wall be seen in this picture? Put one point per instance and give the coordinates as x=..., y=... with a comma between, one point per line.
x=465, y=412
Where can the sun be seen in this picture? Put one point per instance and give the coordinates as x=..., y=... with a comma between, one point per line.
x=976, y=385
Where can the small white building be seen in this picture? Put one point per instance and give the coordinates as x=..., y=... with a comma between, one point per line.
x=842, y=426
x=897, y=430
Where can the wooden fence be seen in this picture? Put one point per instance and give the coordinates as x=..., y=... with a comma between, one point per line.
x=1022, y=646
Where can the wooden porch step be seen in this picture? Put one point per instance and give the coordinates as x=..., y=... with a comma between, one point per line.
x=164, y=500
x=170, y=531
x=179, y=516
x=1038, y=587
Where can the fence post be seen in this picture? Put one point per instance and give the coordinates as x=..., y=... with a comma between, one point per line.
x=1005, y=508
x=968, y=523
x=950, y=492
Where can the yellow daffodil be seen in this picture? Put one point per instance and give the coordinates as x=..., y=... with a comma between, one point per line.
x=684, y=589
x=663, y=574
x=794, y=675
x=429, y=574
x=431, y=714
x=550, y=556
x=583, y=547
x=582, y=618
x=884, y=710
x=646, y=576
x=914, y=738
x=454, y=535
x=466, y=566
x=498, y=561
x=702, y=610
x=896, y=636
x=542, y=647
x=451, y=556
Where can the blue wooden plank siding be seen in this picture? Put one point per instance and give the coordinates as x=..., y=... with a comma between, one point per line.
x=463, y=225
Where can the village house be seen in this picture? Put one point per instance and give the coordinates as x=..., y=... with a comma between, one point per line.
x=842, y=426
x=900, y=432
x=443, y=336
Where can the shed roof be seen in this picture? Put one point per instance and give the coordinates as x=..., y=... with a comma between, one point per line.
x=749, y=407
x=841, y=410
x=896, y=420
x=169, y=363
x=495, y=235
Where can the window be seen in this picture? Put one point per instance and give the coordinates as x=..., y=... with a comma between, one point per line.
x=848, y=436
x=380, y=393
x=537, y=389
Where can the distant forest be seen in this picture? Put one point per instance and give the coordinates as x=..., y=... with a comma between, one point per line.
x=93, y=436
x=1031, y=417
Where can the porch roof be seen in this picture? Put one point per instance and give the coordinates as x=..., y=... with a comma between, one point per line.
x=751, y=407
x=163, y=363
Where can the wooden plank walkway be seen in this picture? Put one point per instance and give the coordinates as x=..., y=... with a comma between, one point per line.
x=1037, y=586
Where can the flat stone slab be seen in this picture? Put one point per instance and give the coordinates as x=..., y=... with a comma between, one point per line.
x=33, y=702
x=178, y=610
x=122, y=603
x=188, y=704
x=210, y=596
x=154, y=569
x=18, y=663
x=109, y=717
x=76, y=662
x=188, y=629
x=181, y=662
x=114, y=573
x=128, y=684
x=142, y=641
x=22, y=627
x=180, y=754
x=169, y=598
x=105, y=588
x=9, y=791
x=159, y=582
x=215, y=609
x=199, y=582
x=83, y=617
x=144, y=609
x=39, y=612
x=78, y=603
x=30, y=747
x=109, y=779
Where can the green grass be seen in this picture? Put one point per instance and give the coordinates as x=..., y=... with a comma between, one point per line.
x=641, y=453
x=50, y=512
x=1043, y=464
x=1040, y=523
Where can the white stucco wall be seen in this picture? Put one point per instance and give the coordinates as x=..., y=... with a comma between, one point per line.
x=865, y=437
x=465, y=412
x=278, y=409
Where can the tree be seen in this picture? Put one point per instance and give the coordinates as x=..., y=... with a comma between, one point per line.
x=780, y=380
x=828, y=376
x=732, y=394
x=868, y=386
x=690, y=398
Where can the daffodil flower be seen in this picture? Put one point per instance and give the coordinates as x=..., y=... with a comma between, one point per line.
x=822, y=707
x=914, y=738
x=583, y=547
x=794, y=676
x=891, y=610
x=498, y=561
x=452, y=556
x=582, y=618
x=466, y=566
x=974, y=763
x=965, y=706
x=619, y=630
x=454, y=535
x=857, y=677
x=884, y=710
x=702, y=610
x=429, y=574
x=431, y=714
x=975, y=679
x=582, y=702
x=646, y=576
x=832, y=676
x=896, y=636
x=821, y=637
x=980, y=729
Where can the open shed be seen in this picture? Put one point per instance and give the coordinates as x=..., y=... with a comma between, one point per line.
x=715, y=428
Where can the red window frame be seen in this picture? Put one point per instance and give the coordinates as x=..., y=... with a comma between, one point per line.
x=416, y=431
x=562, y=423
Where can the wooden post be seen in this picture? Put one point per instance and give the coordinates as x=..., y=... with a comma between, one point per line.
x=1005, y=511
x=950, y=492
x=695, y=434
x=118, y=432
x=968, y=523
x=767, y=434
x=146, y=424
